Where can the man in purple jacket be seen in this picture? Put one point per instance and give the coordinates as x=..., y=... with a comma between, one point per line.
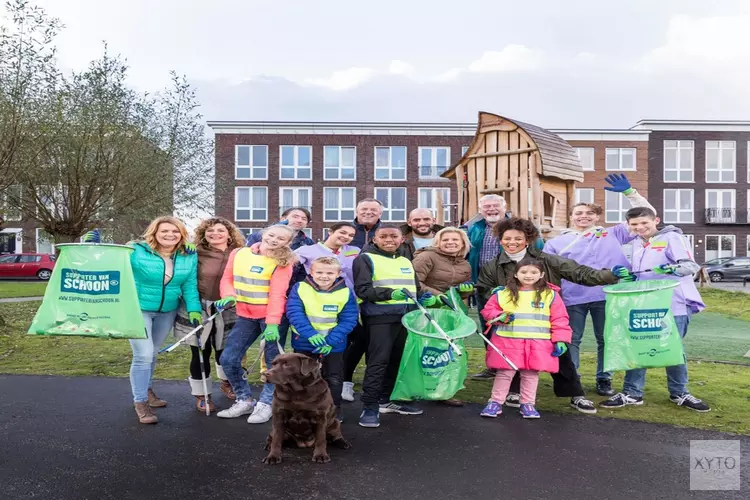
x=592, y=245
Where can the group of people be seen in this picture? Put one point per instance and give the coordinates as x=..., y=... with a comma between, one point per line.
x=343, y=298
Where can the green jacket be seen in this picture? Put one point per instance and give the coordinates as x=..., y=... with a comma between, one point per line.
x=153, y=294
x=556, y=268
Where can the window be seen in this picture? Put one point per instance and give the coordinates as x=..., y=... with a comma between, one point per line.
x=10, y=201
x=45, y=243
x=428, y=199
x=586, y=155
x=718, y=246
x=720, y=205
x=433, y=161
x=251, y=203
x=340, y=163
x=748, y=246
x=295, y=197
x=678, y=205
x=464, y=149
x=394, y=203
x=247, y=231
x=721, y=158
x=296, y=162
x=678, y=161
x=338, y=204
x=620, y=159
x=615, y=207
x=390, y=163
x=690, y=241
x=251, y=162
x=28, y=259
x=584, y=195
x=11, y=259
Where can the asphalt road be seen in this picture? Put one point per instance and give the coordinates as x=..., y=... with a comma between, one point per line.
x=78, y=438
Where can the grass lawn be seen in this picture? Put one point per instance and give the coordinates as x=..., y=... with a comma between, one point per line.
x=10, y=289
x=725, y=387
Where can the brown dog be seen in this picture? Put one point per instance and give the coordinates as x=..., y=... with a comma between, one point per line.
x=303, y=410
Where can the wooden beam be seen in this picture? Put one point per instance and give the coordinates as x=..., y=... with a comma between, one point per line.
x=502, y=153
x=440, y=216
x=491, y=162
x=471, y=169
x=461, y=190
x=502, y=161
x=498, y=190
x=515, y=207
x=503, y=127
x=523, y=174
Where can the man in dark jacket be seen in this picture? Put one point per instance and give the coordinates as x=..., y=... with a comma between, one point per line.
x=418, y=232
x=297, y=218
x=367, y=221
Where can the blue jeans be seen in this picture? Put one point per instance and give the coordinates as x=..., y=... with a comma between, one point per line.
x=677, y=376
x=577, y=314
x=283, y=331
x=243, y=334
x=158, y=326
x=481, y=302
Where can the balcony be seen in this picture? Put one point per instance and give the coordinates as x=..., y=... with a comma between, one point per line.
x=721, y=216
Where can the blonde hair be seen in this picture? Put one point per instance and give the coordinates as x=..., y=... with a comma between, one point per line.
x=464, y=238
x=149, y=236
x=328, y=261
x=236, y=240
x=283, y=255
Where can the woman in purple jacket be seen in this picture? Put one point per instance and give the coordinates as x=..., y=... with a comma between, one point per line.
x=337, y=245
x=592, y=245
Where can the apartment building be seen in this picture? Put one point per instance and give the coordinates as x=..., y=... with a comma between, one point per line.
x=263, y=168
x=699, y=177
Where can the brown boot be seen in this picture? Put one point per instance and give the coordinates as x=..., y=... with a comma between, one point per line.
x=200, y=405
x=145, y=414
x=226, y=388
x=154, y=401
x=452, y=402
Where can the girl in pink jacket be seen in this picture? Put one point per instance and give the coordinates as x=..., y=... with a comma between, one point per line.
x=531, y=328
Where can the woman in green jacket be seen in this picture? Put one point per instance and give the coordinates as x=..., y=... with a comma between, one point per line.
x=165, y=270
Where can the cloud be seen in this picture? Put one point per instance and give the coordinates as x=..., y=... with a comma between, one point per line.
x=511, y=58
x=398, y=67
x=344, y=79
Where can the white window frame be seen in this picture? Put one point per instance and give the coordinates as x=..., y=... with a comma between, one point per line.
x=433, y=201
x=590, y=151
x=340, y=167
x=691, y=242
x=683, y=148
x=679, y=193
x=721, y=149
x=340, y=209
x=295, y=196
x=578, y=192
x=433, y=160
x=619, y=156
x=464, y=149
x=250, y=230
x=387, y=210
x=624, y=206
x=37, y=238
x=722, y=220
x=296, y=165
x=747, y=245
x=720, y=236
x=250, y=206
x=250, y=166
x=389, y=167
x=6, y=204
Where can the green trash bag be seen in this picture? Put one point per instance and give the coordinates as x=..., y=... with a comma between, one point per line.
x=429, y=368
x=640, y=331
x=91, y=293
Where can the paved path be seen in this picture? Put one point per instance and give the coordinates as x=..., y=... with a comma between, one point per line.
x=21, y=299
x=77, y=438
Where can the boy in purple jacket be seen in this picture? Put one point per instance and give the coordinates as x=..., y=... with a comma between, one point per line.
x=592, y=245
x=663, y=254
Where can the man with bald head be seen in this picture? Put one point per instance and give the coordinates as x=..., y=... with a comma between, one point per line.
x=418, y=232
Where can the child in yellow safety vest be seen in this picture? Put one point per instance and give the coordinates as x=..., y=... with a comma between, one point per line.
x=531, y=328
x=322, y=311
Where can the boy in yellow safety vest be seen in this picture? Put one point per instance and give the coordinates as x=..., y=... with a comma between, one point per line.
x=322, y=311
x=380, y=275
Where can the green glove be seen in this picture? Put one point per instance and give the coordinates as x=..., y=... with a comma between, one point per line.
x=190, y=248
x=325, y=350
x=664, y=269
x=92, y=237
x=271, y=333
x=467, y=287
x=398, y=295
x=195, y=318
x=560, y=349
x=317, y=340
x=225, y=303
x=428, y=300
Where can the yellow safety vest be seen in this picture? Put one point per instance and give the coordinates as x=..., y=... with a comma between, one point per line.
x=322, y=308
x=252, y=277
x=531, y=318
x=394, y=273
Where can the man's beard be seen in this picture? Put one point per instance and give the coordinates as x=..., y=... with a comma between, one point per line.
x=419, y=233
x=492, y=218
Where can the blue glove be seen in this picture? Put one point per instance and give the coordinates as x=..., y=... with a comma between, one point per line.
x=398, y=295
x=623, y=273
x=318, y=340
x=190, y=248
x=560, y=349
x=618, y=182
x=428, y=300
x=504, y=318
x=665, y=269
x=325, y=350
x=195, y=318
x=92, y=237
x=225, y=303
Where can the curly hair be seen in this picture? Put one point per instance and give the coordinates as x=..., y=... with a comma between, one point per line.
x=236, y=240
x=149, y=236
x=524, y=225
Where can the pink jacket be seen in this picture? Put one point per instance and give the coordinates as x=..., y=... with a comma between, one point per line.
x=529, y=354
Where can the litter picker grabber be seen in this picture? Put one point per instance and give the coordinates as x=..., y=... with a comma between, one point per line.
x=192, y=332
x=433, y=322
x=448, y=303
x=203, y=373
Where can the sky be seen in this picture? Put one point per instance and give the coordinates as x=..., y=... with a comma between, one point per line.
x=557, y=64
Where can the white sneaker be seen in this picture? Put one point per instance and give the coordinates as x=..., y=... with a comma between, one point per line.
x=347, y=392
x=238, y=409
x=261, y=414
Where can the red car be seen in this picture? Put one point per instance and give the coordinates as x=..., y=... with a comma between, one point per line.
x=27, y=265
